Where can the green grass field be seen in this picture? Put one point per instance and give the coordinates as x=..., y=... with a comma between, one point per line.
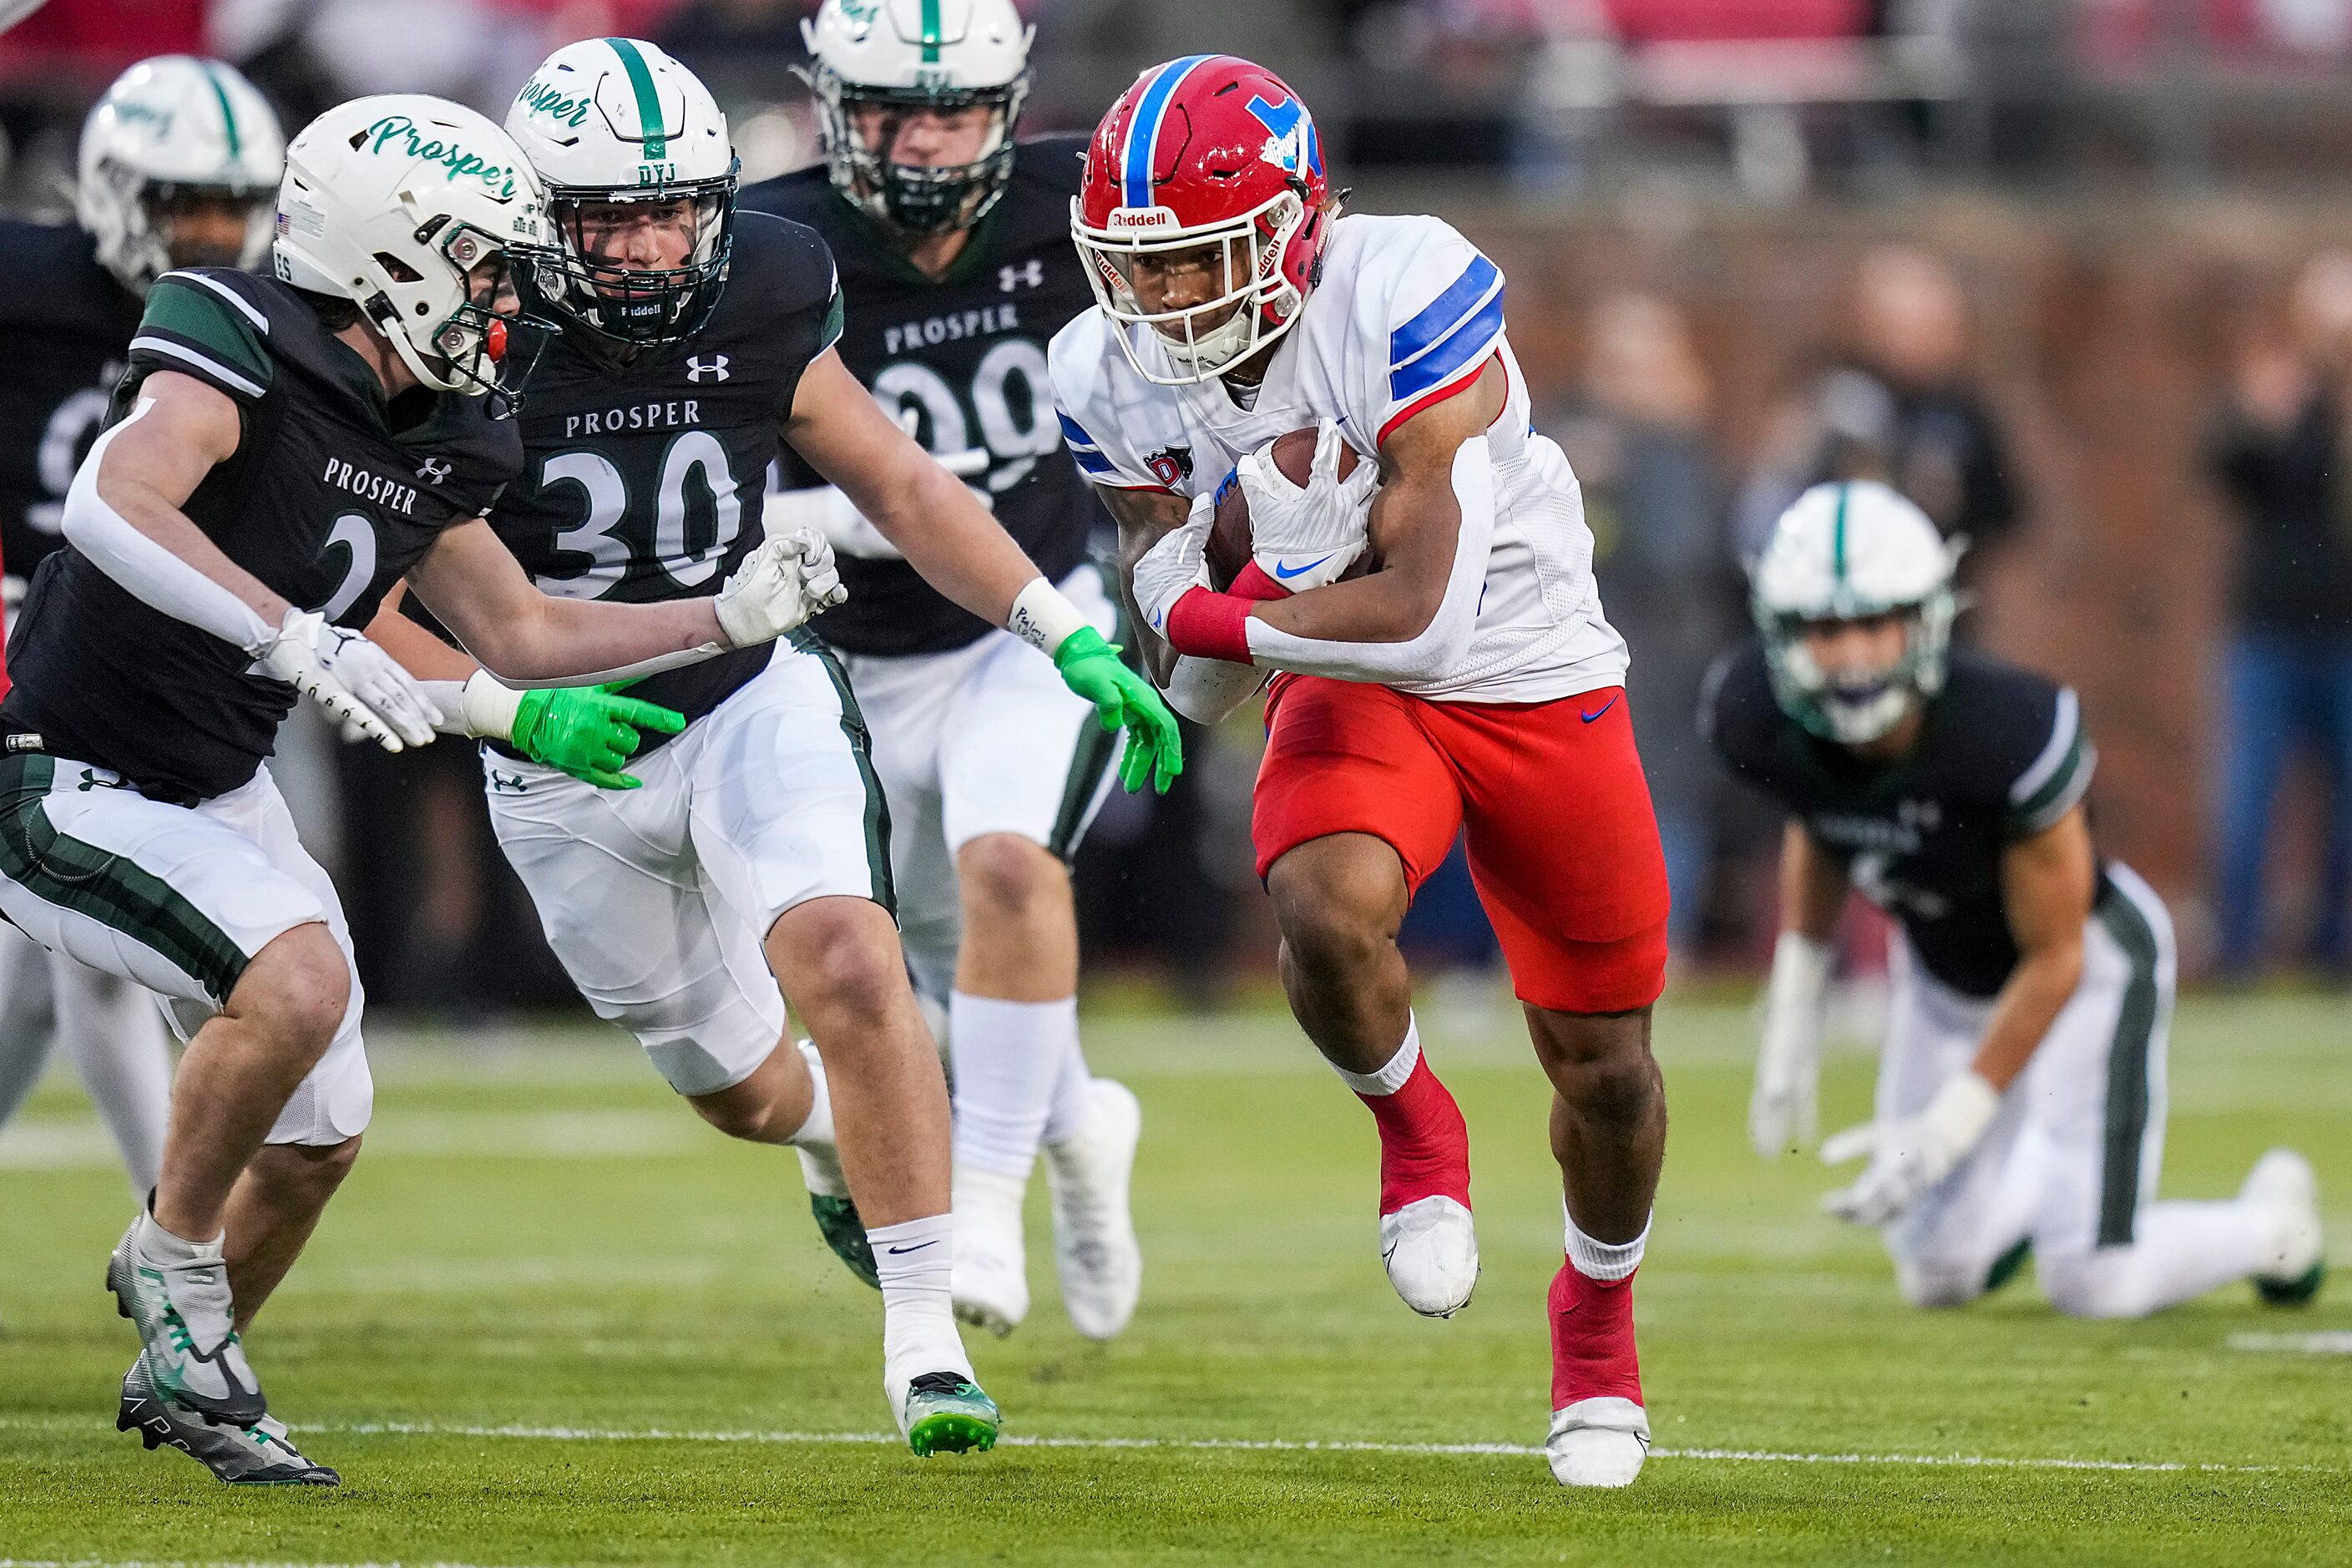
x=553, y=1320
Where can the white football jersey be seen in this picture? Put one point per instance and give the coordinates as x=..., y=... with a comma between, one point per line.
x=1405, y=315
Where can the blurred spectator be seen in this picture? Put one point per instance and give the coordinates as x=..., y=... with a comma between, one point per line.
x=1901, y=407
x=2277, y=452
x=1636, y=433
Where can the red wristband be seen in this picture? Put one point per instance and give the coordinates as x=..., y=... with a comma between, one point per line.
x=1251, y=583
x=1205, y=623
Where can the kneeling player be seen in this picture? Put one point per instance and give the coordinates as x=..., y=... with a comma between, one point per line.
x=1471, y=683
x=2020, y=1095
x=693, y=339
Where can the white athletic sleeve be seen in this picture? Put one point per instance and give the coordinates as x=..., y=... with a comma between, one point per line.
x=1439, y=647
x=147, y=571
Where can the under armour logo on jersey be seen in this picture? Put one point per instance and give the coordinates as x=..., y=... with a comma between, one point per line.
x=1029, y=274
x=715, y=367
x=433, y=470
x=508, y=784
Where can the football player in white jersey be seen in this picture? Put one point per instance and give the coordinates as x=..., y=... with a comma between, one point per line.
x=1468, y=681
x=178, y=165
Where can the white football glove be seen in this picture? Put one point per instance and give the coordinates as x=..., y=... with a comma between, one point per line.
x=1785, y=1109
x=789, y=577
x=1304, y=536
x=359, y=685
x=1910, y=1155
x=1175, y=565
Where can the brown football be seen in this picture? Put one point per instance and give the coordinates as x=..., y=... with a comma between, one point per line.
x=1229, y=535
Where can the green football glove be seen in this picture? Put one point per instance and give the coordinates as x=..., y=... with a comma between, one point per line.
x=588, y=731
x=1123, y=700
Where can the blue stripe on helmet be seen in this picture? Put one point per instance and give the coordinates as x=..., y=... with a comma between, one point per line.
x=1441, y=315
x=1144, y=129
x=1465, y=346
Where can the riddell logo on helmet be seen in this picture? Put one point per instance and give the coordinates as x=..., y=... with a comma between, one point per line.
x=1140, y=217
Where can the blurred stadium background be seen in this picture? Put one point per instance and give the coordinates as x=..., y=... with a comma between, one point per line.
x=2065, y=270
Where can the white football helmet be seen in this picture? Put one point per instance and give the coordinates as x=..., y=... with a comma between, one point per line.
x=899, y=56
x=614, y=122
x=1850, y=551
x=392, y=202
x=172, y=129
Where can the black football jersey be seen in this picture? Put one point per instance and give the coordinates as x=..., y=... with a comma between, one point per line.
x=965, y=356
x=643, y=483
x=331, y=497
x=65, y=331
x=2003, y=756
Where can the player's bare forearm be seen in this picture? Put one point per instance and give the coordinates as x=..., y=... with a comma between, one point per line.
x=420, y=653
x=1144, y=518
x=1415, y=530
x=524, y=637
x=154, y=462
x=2047, y=882
x=1812, y=885
x=953, y=542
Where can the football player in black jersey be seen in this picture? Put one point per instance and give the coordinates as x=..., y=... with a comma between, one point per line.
x=2021, y=1093
x=179, y=162
x=694, y=340
x=281, y=451
x=952, y=240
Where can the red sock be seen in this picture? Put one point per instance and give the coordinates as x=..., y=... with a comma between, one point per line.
x=1592, y=1353
x=1424, y=1146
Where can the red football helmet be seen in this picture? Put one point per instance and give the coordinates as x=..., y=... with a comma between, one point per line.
x=1207, y=161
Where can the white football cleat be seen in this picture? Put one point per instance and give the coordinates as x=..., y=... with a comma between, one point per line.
x=1094, y=1248
x=1598, y=1443
x=990, y=1281
x=1431, y=1251
x=2283, y=1183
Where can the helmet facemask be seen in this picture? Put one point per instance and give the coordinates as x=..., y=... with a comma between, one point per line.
x=577, y=281
x=1253, y=305
x=465, y=351
x=143, y=247
x=916, y=200
x=1855, y=708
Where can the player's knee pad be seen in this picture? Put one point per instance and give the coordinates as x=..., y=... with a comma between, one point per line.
x=1938, y=1282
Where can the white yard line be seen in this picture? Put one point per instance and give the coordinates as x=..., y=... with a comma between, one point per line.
x=2330, y=1342
x=1245, y=1445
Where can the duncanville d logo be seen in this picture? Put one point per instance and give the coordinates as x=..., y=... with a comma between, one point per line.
x=1170, y=465
x=715, y=367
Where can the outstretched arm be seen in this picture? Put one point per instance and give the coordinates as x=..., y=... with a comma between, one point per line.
x=961, y=549
x=474, y=586
x=2047, y=884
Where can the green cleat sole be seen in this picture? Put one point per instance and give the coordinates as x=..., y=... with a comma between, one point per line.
x=2296, y=1293
x=951, y=1433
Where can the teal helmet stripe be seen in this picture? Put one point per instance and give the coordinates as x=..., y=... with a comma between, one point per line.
x=649, y=109
x=930, y=32
x=1837, y=536
x=228, y=115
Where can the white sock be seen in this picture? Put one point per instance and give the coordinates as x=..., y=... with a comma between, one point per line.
x=817, y=1126
x=1008, y=1056
x=1391, y=1076
x=2179, y=1251
x=116, y=1036
x=163, y=1248
x=1070, y=1097
x=915, y=1260
x=1604, y=1262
